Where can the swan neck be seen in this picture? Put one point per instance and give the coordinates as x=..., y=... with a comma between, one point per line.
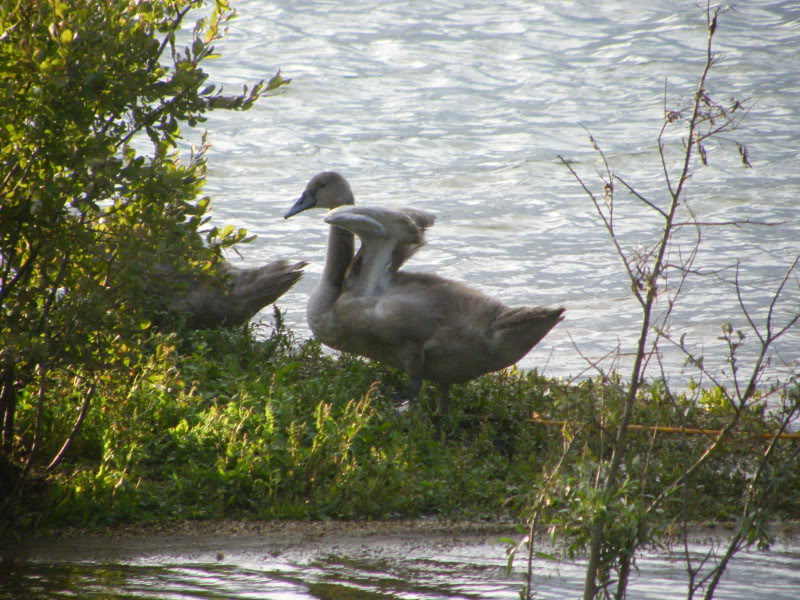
x=341, y=246
x=377, y=267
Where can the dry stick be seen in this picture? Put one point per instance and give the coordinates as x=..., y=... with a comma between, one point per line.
x=8, y=406
x=667, y=429
x=43, y=368
x=672, y=299
x=609, y=227
x=597, y=538
x=731, y=223
x=593, y=364
x=617, y=456
x=639, y=196
x=770, y=337
x=537, y=511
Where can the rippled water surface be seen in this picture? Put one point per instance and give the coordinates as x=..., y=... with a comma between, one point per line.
x=418, y=568
x=462, y=107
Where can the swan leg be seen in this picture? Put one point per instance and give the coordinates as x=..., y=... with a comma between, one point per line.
x=414, y=387
x=413, y=359
x=444, y=398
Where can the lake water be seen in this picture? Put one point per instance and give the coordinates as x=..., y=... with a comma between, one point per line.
x=462, y=107
x=353, y=562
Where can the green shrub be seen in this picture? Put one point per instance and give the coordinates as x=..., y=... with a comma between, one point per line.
x=89, y=224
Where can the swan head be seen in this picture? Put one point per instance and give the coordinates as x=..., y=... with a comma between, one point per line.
x=325, y=190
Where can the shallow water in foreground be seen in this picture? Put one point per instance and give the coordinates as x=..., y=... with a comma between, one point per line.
x=330, y=562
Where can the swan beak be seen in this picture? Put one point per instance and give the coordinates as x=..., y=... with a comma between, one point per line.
x=304, y=202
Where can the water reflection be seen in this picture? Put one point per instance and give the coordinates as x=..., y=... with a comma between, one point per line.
x=105, y=581
x=423, y=573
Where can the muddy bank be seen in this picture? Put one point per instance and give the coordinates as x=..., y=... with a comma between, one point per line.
x=205, y=541
x=295, y=541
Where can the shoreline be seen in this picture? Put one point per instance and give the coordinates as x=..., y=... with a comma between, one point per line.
x=297, y=541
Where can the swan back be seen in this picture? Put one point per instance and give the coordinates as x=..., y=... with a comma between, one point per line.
x=402, y=252
x=238, y=298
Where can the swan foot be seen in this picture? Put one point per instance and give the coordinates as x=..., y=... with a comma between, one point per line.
x=413, y=392
x=414, y=387
x=404, y=398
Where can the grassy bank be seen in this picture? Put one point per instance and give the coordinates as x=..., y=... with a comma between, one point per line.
x=252, y=424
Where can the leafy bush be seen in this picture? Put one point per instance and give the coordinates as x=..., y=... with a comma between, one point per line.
x=89, y=223
x=249, y=424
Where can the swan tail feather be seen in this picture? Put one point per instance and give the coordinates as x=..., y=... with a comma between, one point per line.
x=517, y=330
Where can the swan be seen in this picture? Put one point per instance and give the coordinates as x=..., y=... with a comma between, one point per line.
x=432, y=328
x=330, y=190
x=401, y=233
x=238, y=298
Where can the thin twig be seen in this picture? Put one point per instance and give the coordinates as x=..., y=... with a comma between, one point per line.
x=639, y=196
x=75, y=429
x=593, y=364
x=730, y=223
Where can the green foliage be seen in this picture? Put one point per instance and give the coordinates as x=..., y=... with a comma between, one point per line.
x=89, y=222
x=222, y=423
x=251, y=424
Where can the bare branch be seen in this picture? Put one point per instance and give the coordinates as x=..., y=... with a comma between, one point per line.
x=660, y=269
x=75, y=429
x=594, y=364
x=639, y=196
x=772, y=304
x=737, y=223
x=610, y=228
x=745, y=312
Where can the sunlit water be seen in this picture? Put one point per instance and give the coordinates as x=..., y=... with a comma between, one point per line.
x=423, y=572
x=462, y=108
